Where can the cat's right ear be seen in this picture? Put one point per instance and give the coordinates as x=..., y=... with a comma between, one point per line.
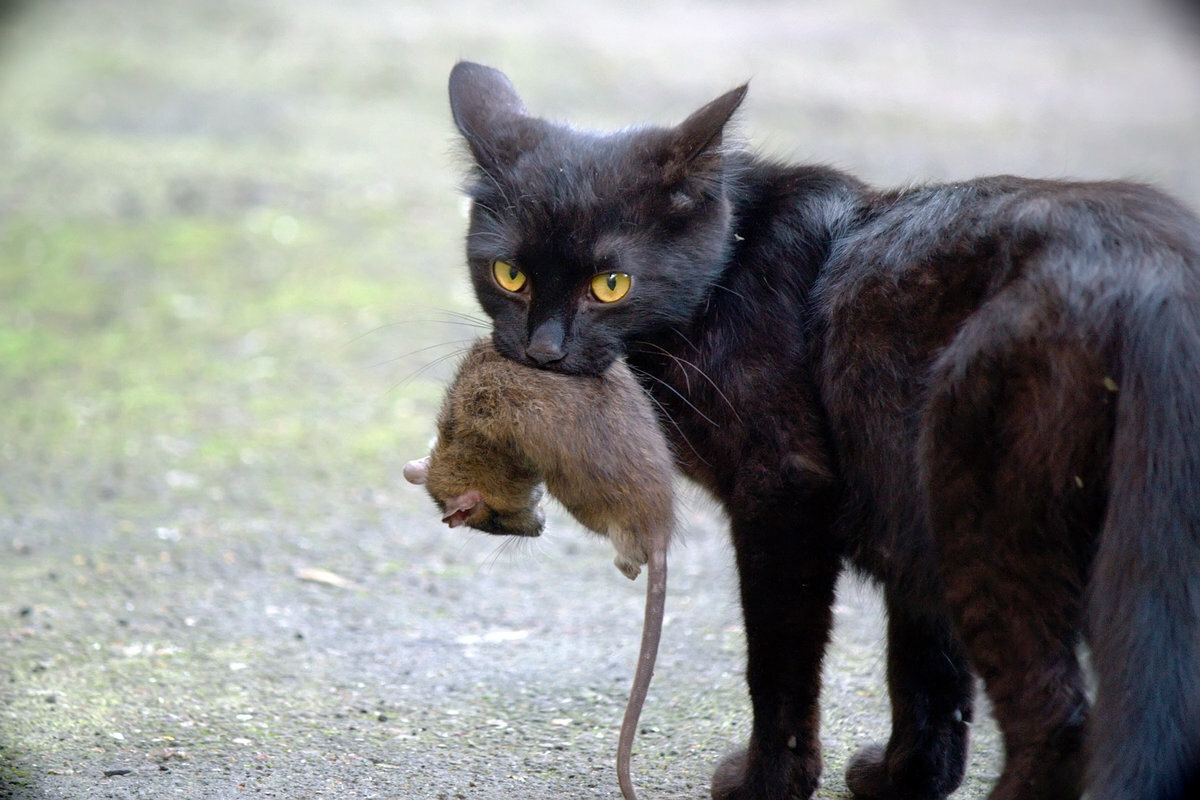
x=484, y=104
x=695, y=144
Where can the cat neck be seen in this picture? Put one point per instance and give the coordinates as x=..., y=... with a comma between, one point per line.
x=745, y=355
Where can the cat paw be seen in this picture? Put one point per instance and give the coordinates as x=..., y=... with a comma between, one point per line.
x=867, y=774
x=788, y=776
x=870, y=777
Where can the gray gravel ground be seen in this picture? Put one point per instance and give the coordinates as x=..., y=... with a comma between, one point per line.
x=230, y=275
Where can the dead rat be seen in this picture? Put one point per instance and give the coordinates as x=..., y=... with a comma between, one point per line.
x=595, y=442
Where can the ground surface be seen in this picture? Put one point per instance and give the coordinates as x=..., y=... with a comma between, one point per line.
x=229, y=272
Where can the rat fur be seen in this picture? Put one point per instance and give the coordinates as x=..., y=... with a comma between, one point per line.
x=594, y=441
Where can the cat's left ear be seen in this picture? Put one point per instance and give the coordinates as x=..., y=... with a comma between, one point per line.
x=484, y=104
x=695, y=144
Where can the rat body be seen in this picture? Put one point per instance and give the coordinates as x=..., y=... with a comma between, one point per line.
x=594, y=441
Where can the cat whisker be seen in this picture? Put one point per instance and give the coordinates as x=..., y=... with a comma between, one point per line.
x=683, y=362
x=460, y=349
x=497, y=185
x=738, y=295
x=486, y=238
x=373, y=331
x=683, y=397
x=683, y=338
x=465, y=321
x=669, y=418
x=687, y=381
x=459, y=344
x=461, y=317
x=450, y=317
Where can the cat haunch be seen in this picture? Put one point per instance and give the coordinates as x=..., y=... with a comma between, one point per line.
x=983, y=395
x=594, y=442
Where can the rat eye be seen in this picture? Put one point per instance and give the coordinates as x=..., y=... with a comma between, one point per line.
x=509, y=277
x=609, y=287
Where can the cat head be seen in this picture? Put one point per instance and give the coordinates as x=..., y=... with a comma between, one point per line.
x=580, y=242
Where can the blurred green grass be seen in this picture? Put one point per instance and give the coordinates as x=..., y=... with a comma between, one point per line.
x=206, y=279
x=215, y=342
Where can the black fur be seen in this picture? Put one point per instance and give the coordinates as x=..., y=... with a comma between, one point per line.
x=984, y=395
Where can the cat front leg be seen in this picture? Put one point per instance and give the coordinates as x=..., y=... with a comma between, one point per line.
x=787, y=588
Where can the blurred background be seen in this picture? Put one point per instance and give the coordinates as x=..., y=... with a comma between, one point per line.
x=231, y=290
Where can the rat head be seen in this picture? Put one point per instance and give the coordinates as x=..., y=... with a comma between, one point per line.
x=481, y=487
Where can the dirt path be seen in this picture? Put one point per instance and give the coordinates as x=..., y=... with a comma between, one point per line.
x=229, y=274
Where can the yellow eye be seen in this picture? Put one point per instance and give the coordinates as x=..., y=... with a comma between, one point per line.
x=609, y=287
x=509, y=277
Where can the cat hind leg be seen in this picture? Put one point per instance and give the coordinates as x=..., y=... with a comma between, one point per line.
x=931, y=692
x=1013, y=453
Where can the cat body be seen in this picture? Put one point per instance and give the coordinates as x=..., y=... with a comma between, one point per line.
x=984, y=395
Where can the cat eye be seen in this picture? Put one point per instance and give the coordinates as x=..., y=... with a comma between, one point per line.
x=509, y=277
x=609, y=287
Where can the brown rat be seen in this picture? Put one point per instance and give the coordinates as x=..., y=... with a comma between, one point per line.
x=595, y=443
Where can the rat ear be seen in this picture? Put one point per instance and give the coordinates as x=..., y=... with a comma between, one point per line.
x=459, y=509
x=694, y=145
x=484, y=104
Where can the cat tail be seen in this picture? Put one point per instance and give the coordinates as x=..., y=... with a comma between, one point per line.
x=1144, y=595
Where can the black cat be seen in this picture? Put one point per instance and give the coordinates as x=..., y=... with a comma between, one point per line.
x=984, y=395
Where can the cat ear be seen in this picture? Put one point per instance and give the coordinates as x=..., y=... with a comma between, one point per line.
x=482, y=100
x=695, y=144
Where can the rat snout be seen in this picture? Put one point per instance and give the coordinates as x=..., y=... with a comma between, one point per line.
x=417, y=471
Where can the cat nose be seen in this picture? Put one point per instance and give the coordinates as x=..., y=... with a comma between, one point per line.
x=546, y=344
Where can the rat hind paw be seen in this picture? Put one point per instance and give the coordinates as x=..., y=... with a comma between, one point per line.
x=631, y=551
x=629, y=568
